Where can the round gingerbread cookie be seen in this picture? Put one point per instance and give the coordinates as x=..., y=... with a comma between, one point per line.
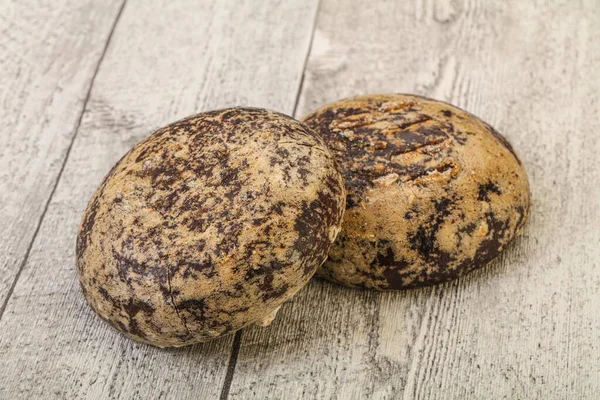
x=432, y=191
x=208, y=225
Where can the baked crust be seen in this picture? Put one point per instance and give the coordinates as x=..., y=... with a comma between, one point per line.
x=208, y=225
x=433, y=192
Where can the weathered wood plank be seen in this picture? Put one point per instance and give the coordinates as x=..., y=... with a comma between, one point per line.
x=165, y=60
x=47, y=60
x=524, y=327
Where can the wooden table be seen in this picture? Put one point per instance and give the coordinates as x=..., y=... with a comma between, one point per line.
x=82, y=81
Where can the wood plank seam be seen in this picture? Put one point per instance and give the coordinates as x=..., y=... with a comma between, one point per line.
x=235, y=350
x=62, y=167
x=235, y=347
x=310, y=44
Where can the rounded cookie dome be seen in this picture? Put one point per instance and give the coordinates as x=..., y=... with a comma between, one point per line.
x=208, y=225
x=432, y=191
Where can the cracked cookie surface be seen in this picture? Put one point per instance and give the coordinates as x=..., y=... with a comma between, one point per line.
x=208, y=225
x=432, y=191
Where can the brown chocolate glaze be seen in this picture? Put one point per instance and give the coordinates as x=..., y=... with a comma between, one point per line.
x=432, y=191
x=208, y=225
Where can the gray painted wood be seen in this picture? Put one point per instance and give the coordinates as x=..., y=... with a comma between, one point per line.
x=166, y=60
x=525, y=326
x=47, y=60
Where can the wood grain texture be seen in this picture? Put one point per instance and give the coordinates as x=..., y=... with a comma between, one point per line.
x=48, y=58
x=525, y=326
x=166, y=60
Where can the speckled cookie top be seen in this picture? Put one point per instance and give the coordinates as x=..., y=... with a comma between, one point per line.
x=209, y=224
x=433, y=191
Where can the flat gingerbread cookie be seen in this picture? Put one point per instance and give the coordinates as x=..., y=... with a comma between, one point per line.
x=208, y=225
x=432, y=191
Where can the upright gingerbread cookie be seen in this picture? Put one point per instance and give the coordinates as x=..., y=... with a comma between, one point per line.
x=208, y=225
x=433, y=192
